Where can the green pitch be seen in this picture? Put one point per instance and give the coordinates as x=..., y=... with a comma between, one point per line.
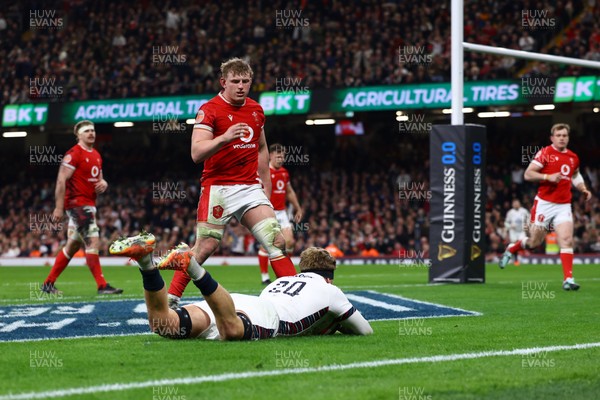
x=522, y=308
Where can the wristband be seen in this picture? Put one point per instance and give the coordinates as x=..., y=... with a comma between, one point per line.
x=545, y=177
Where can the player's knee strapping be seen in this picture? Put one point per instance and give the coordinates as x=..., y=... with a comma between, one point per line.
x=185, y=325
x=266, y=232
x=206, y=232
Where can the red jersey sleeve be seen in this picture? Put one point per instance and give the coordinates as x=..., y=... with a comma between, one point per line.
x=205, y=118
x=71, y=159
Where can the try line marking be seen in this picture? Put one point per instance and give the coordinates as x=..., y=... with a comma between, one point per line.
x=293, y=371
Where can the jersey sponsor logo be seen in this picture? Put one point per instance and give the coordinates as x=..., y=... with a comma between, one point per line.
x=244, y=146
x=67, y=159
x=129, y=317
x=248, y=138
x=217, y=211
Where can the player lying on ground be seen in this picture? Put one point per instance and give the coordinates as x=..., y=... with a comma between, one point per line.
x=304, y=304
x=556, y=168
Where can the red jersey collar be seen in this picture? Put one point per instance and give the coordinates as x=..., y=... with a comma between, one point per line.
x=230, y=103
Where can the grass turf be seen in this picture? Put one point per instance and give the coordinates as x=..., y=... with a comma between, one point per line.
x=522, y=307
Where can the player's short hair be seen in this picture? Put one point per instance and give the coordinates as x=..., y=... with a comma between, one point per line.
x=316, y=258
x=558, y=127
x=276, y=148
x=236, y=66
x=80, y=124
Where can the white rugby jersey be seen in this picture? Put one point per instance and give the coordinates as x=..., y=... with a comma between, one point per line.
x=516, y=219
x=308, y=305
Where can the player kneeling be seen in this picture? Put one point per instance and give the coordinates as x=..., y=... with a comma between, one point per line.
x=304, y=304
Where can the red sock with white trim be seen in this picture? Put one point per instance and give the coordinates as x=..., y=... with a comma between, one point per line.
x=263, y=263
x=93, y=262
x=179, y=283
x=518, y=246
x=60, y=263
x=566, y=258
x=283, y=266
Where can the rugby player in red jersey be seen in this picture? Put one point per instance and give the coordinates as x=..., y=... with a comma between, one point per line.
x=229, y=137
x=556, y=168
x=79, y=181
x=282, y=190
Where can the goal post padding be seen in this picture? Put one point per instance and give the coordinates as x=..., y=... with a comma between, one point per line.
x=458, y=202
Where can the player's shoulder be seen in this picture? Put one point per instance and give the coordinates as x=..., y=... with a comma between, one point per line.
x=213, y=103
x=571, y=153
x=73, y=153
x=251, y=103
x=253, y=107
x=280, y=171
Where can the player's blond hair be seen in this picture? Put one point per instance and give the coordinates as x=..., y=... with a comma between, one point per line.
x=316, y=258
x=236, y=66
x=80, y=124
x=558, y=127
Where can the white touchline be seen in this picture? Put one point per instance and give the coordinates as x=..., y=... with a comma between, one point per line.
x=252, y=374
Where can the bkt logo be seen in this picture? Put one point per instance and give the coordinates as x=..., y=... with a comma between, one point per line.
x=24, y=115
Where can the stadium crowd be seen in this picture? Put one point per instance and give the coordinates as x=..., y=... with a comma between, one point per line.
x=153, y=48
x=362, y=213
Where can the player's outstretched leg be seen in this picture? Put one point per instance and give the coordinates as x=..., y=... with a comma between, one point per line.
x=229, y=324
x=135, y=247
x=506, y=257
x=180, y=324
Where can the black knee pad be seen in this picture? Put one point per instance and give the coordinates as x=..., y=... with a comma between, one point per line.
x=185, y=325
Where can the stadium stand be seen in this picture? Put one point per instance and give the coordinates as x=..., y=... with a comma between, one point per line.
x=348, y=44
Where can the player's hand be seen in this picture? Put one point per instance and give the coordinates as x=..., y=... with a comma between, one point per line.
x=101, y=186
x=587, y=194
x=298, y=216
x=554, y=178
x=57, y=214
x=235, y=132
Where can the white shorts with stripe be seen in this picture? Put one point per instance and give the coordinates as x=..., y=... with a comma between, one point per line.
x=548, y=215
x=283, y=219
x=260, y=312
x=219, y=203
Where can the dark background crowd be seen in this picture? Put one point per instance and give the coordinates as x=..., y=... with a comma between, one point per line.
x=361, y=194
x=109, y=49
